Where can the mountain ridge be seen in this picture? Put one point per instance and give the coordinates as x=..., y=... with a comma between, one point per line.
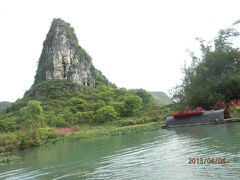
x=160, y=97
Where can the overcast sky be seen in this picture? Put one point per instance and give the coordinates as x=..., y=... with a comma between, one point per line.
x=135, y=43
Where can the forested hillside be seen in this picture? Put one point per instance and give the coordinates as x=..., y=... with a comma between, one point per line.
x=61, y=103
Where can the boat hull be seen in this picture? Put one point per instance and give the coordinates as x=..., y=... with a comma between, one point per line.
x=204, y=118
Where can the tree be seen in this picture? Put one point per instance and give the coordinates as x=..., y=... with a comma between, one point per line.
x=212, y=77
x=144, y=95
x=106, y=113
x=32, y=114
x=120, y=108
x=85, y=117
x=68, y=117
x=77, y=104
x=133, y=104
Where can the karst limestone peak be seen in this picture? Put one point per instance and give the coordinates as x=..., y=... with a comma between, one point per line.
x=63, y=59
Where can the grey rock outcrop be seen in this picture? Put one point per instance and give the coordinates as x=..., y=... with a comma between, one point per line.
x=63, y=59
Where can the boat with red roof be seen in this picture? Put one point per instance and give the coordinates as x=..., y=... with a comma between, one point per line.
x=195, y=118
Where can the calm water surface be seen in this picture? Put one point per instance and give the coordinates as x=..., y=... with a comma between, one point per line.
x=160, y=154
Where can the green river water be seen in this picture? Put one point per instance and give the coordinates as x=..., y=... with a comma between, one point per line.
x=159, y=154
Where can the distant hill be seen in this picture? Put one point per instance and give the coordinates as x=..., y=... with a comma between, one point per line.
x=160, y=97
x=4, y=105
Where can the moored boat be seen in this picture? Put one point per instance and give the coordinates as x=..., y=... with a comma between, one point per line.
x=194, y=118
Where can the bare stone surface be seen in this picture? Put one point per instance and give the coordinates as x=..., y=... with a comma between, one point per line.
x=63, y=59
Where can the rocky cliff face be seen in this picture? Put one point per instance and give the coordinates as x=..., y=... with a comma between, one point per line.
x=63, y=59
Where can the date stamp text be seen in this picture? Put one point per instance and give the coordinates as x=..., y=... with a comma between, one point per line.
x=208, y=160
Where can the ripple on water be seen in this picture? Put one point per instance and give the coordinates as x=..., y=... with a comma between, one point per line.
x=162, y=154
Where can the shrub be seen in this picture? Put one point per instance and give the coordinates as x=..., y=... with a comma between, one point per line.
x=46, y=133
x=59, y=122
x=234, y=111
x=106, y=113
x=140, y=121
x=85, y=117
x=77, y=104
x=131, y=122
x=25, y=138
x=146, y=119
x=32, y=114
x=127, y=123
x=234, y=108
x=50, y=118
x=119, y=108
x=99, y=104
x=75, y=101
x=133, y=104
x=8, y=124
x=8, y=142
x=29, y=138
x=68, y=117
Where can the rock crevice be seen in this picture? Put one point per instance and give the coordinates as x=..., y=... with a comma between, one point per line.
x=63, y=59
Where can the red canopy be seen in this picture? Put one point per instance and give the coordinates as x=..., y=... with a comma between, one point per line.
x=186, y=114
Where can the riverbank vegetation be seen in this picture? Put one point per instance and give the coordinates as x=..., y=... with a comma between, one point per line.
x=22, y=139
x=7, y=157
x=212, y=80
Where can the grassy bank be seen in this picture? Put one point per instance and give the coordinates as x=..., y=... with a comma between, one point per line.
x=36, y=137
x=108, y=131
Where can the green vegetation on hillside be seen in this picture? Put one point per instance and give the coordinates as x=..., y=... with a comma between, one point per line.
x=63, y=104
x=161, y=98
x=4, y=105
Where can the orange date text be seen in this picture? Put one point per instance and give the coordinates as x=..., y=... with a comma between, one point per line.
x=209, y=160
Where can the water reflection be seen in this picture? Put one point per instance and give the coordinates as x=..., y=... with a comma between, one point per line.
x=219, y=138
x=150, y=155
